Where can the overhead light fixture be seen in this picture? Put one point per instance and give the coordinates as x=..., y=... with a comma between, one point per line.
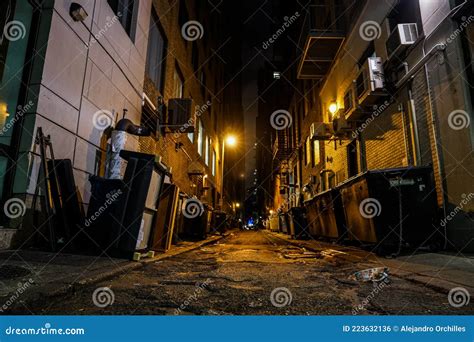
x=77, y=12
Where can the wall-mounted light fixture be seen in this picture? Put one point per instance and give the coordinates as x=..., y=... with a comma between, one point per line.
x=333, y=108
x=77, y=12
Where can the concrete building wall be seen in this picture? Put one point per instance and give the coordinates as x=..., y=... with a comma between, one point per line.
x=80, y=77
x=95, y=68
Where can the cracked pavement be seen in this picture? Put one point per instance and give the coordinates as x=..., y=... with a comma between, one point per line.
x=237, y=276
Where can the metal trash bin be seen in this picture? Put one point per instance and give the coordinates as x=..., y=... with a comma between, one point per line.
x=274, y=223
x=219, y=221
x=197, y=227
x=382, y=206
x=99, y=227
x=312, y=217
x=283, y=217
x=297, y=223
x=116, y=209
x=331, y=214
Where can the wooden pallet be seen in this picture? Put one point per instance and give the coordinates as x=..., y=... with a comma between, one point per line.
x=137, y=256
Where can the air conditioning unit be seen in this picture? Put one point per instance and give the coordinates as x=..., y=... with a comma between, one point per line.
x=181, y=115
x=402, y=36
x=341, y=126
x=370, y=84
x=321, y=131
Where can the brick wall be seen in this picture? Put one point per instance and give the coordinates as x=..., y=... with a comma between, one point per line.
x=384, y=141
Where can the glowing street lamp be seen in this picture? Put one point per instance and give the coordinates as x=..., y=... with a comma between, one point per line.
x=231, y=140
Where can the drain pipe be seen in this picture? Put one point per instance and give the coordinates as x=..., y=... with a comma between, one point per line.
x=434, y=128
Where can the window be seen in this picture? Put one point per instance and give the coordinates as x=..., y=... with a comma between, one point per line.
x=214, y=157
x=178, y=84
x=295, y=177
x=155, y=61
x=200, y=137
x=126, y=11
x=348, y=100
x=206, y=150
x=149, y=119
x=316, y=153
x=308, y=151
x=406, y=11
x=352, y=163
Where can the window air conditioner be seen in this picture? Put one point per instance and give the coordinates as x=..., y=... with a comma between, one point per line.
x=321, y=131
x=340, y=125
x=402, y=36
x=370, y=84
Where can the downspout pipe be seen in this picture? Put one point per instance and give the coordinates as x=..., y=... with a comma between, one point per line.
x=125, y=125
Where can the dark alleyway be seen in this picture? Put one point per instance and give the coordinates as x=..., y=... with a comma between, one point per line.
x=238, y=275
